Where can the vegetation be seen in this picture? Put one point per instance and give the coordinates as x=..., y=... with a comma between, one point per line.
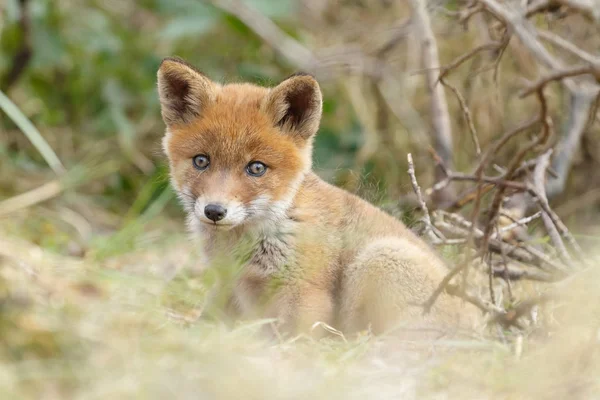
x=100, y=293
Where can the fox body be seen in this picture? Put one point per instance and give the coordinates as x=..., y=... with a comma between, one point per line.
x=240, y=160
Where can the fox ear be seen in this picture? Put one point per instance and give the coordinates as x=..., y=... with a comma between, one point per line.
x=183, y=91
x=295, y=105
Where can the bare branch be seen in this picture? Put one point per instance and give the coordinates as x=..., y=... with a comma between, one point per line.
x=478, y=302
x=568, y=46
x=514, y=274
x=539, y=183
x=270, y=33
x=523, y=29
x=458, y=176
x=538, y=7
x=467, y=115
x=557, y=75
x=564, y=231
x=442, y=135
x=430, y=230
x=400, y=31
x=512, y=316
x=330, y=62
x=521, y=222
x=588, y=8
x=580, y=108
x=445, y=70
x=493, y=150
x=514, y=164
x=443, y=286
x=505, y=271
x=521, y=253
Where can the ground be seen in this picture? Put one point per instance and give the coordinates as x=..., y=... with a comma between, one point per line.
x=128, y=326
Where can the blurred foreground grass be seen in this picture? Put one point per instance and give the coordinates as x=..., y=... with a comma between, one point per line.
x=128, y=327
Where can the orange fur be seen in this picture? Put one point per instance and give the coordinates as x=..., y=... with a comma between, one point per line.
x=337, y=259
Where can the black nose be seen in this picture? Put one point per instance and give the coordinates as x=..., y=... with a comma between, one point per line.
x=215, y=212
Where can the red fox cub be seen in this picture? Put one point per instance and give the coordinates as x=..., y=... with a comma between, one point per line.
x=240, y=161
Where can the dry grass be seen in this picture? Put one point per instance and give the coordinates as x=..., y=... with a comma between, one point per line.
x=127, y=327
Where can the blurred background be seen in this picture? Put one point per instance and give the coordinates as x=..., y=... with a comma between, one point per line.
x=83, y=73
x=84, y=192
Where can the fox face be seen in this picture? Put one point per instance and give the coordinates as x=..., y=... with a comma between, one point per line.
x=237, y=152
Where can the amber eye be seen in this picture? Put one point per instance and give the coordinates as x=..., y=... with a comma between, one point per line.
x=201, y=162
x=256, y=168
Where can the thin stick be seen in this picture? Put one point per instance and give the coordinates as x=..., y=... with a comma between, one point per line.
x=511, y=274
x=461, y=59
x=483, y=305
x=495, y=148
x=429, y=228
x=521, y=222
x=458, y=176
x=538, y=181
x=491, y=278
x=558, y=75
x=558, y=223
x=467, y=114
x=505, y=274
x=514, y=164
x=462, y=226
x=568, y=46
x=443, y=285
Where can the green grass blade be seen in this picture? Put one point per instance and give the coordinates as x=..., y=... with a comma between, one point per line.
x=34, y=136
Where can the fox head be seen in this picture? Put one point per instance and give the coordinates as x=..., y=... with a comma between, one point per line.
x=238, y=152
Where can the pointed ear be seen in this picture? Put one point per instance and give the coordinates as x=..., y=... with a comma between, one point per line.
x=295, y=105
x=183, y=91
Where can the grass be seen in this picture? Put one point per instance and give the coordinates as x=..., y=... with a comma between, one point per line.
x=127, y=326
x=34, y=136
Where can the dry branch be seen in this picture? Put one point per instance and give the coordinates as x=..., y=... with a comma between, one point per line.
x=524, y=177
x=445, y=70
x=270, y=33
x=568, y=46
x=523, y=29
x=330, y=62
x=513, y=274
x=495, y=148
x=539, y=184
x=442, y=130
x=521, y=222
x=429, y=228
x=581, y=105
x=588, y=8
x=467, y=114
x=514, y=164
x=478, y=302
x=558, y=75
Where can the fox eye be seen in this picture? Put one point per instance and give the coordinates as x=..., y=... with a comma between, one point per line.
x=256, y=168
x=201, y=162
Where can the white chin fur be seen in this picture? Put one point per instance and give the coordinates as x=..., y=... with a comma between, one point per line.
x=236, y=213
x=261, y=214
